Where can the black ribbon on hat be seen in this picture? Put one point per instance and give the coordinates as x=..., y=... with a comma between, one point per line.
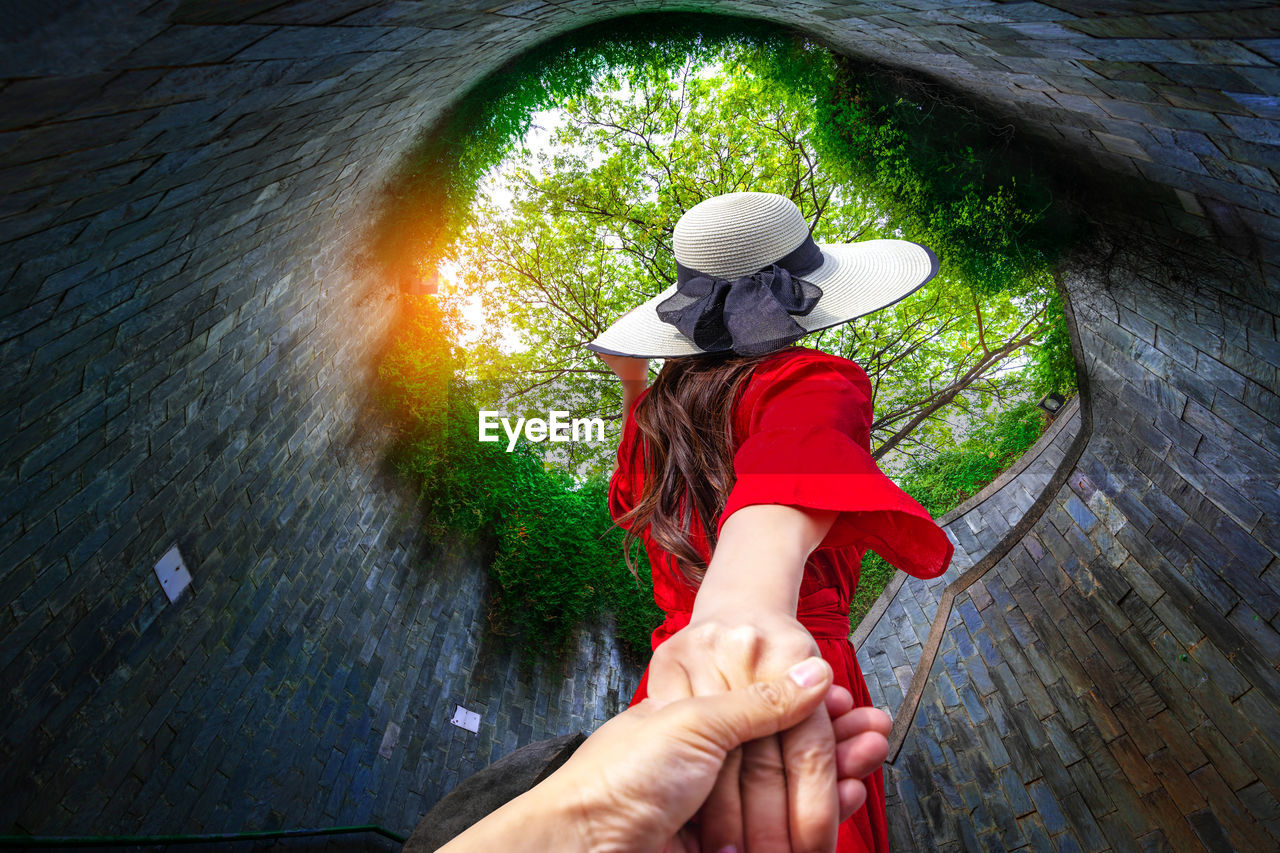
x=750, y=315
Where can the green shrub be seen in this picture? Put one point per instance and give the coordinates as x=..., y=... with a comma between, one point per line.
x=874, y=576
x=944, y=482
x=1053, y=365
x=552, y=552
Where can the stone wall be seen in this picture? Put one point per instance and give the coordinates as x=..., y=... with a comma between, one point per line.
x=1111, y=683
x=188, y=330
x=892, y=639
x=188, y=336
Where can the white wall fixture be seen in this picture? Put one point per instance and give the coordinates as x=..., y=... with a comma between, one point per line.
x=464, y=719
x=173, y=574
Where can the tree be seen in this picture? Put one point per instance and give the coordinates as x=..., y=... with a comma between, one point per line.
x=587, y=234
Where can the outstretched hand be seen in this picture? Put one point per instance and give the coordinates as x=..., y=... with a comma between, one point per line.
x=616, y=792
x=623, y=774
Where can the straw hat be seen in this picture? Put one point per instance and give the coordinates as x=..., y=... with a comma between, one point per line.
x=750, y=279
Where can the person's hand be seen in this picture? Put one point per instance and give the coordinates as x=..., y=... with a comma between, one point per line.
x=639, y=778
x=643, y=774
x=777, y=793
x=627, y=368
x=861, y=746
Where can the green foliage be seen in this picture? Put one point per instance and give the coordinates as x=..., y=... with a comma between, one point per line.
x=948, y=179
x=874, y=576
x=943, y=176
x=944, y=482
x=935, y=172
x=426, y=201
x=1053, y=366
x=553, y=554
x=587, y=231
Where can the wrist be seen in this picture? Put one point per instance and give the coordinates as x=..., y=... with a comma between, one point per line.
x=743, y=608
x=739, y=582
x=588, y=814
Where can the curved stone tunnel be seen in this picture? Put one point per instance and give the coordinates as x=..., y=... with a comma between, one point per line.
x=187, y=335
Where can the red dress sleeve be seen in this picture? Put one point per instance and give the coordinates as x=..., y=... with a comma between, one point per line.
x=808, y=443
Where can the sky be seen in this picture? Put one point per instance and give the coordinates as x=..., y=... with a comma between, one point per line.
x=537, y=140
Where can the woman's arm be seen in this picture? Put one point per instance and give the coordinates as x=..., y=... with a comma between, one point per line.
x=759, y=559
x=634, y=373
x=777, y=793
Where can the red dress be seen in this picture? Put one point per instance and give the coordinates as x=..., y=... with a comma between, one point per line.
x=802, y=431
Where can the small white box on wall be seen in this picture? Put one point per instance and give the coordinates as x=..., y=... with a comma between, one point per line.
x=173, y=574
x=464, y=719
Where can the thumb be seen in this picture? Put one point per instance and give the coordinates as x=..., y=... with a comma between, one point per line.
x=765, y=707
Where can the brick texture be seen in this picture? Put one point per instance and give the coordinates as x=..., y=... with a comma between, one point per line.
x=187, y=335
x=1116, y=671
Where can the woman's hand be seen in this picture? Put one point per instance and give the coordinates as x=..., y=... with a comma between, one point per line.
x=777, y=793
x=720, y=651
x=671, y=805
x=627, y=368
x=617, y=793
x=861, y=746
x=634, y=373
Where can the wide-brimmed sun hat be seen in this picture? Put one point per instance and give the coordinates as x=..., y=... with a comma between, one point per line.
x=750, y=279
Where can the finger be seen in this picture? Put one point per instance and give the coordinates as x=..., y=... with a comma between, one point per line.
x=839, y=701
x=809, y=755
x=859, y=756
x=721, y=815
x=858, y=720
x=728, y=720
x=763, y=781
x=853, y=795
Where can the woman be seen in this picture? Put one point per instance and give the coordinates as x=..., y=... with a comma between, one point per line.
x=746, y=471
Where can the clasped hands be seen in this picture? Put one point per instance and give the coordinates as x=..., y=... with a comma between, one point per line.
x=784, y=792
x=637, y=781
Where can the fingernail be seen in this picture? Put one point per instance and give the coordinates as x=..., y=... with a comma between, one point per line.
x=807, y=673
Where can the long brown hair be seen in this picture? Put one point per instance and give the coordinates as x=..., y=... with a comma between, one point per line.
x=686, y=437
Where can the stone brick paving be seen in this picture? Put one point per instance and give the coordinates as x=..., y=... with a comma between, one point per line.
x=890, y=651
x=186, y=335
